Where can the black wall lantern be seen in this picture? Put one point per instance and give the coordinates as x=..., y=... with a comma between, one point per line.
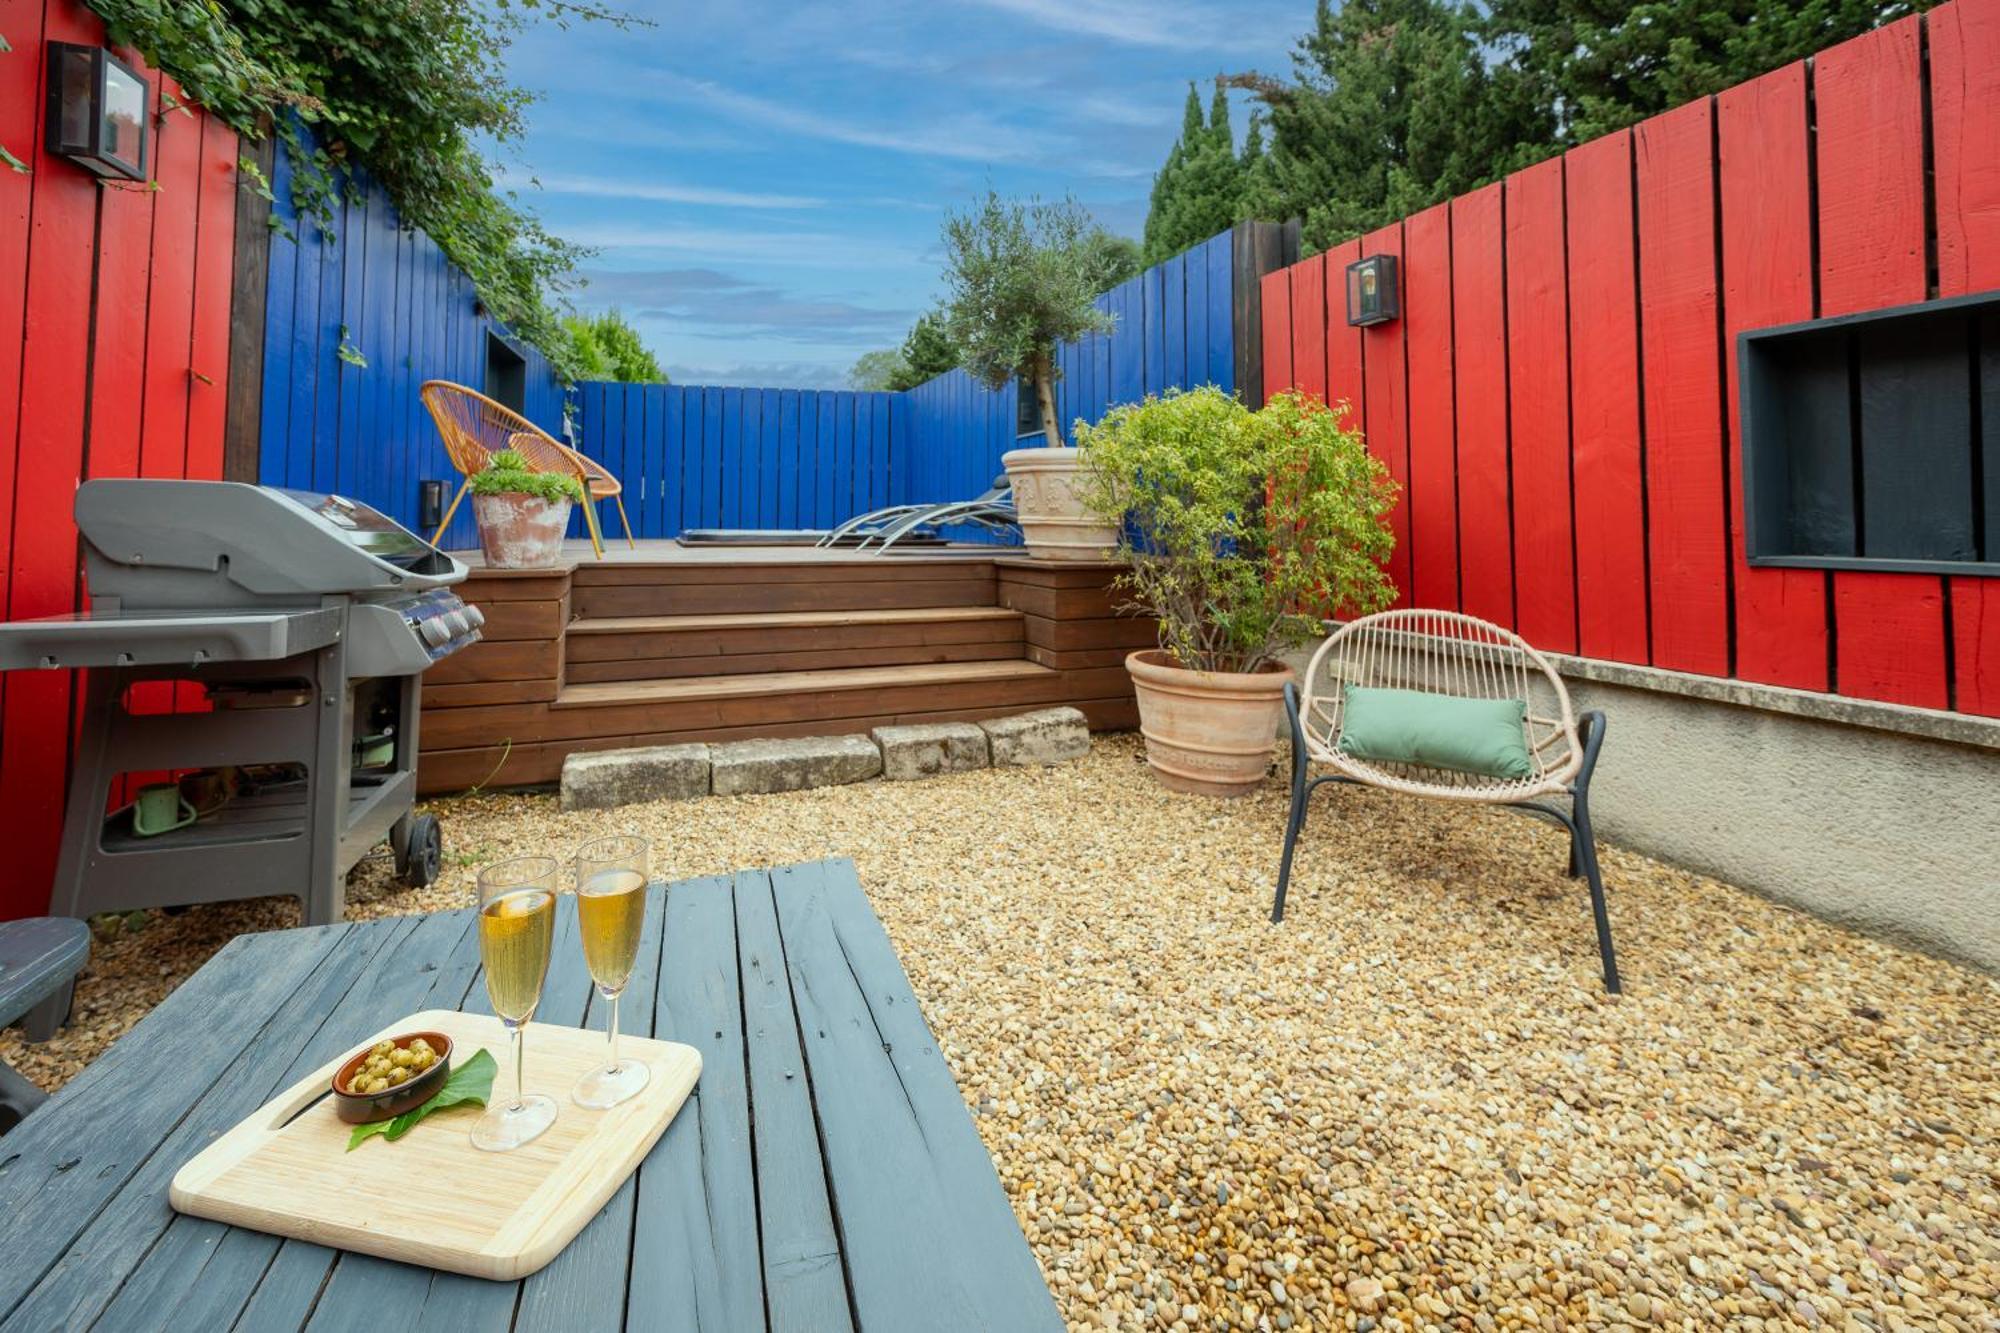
x=97, y=111
x=1372, y=295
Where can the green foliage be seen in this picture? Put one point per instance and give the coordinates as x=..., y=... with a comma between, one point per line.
x=1600, y=66
x=1238, y=527
x=609, y=348
x=1110, y=259
x=1394, y=105
x=879, y=370
x=509, y=474
x=407, y=90
x=1200, y=191
x=1021, y=277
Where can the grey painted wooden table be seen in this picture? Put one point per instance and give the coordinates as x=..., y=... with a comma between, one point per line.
x=825, y=1175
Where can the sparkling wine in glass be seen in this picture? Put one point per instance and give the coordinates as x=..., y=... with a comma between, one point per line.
x=517, y=922
x=611, y=912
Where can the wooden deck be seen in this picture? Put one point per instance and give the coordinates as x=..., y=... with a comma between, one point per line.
x=668, y=644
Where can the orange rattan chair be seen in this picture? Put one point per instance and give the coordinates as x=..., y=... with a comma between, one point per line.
x=474, y=428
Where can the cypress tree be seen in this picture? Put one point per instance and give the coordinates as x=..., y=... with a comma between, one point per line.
x=1199, y=190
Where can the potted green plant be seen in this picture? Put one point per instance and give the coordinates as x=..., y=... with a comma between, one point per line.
x=1239, y=530
x=1023, y=279
x=522, y=514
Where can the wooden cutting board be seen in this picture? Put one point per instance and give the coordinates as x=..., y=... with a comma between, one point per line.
x=432, y=1198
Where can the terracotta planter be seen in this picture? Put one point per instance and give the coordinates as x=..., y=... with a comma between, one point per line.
x=1053, y=519
x=521, y=531
x=1212, y=733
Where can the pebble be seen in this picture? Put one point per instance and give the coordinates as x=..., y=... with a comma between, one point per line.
x=1408, y=1106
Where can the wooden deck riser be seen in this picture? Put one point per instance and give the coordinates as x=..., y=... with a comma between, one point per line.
x=811, y=659
x=539, y=763
x=607, y=656
x=457, y=728
x=641, y=599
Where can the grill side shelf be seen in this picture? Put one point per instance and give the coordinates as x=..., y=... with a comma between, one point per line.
x=165, y=638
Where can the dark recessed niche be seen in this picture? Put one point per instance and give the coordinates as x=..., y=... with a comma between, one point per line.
x=1873, y=441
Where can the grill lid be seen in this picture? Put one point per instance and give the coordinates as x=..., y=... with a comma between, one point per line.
x=161, y=544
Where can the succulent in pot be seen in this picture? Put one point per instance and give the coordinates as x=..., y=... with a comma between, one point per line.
x=1239, y=530
x=522, y=513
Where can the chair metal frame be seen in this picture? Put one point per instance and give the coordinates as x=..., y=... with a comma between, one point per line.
x=475, y=427
x=1447, y=653
x=883, y=528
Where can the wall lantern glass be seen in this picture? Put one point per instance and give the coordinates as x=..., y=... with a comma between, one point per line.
x=97, y=111
x=1372, y=295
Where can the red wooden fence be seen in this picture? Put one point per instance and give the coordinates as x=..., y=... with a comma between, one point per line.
x=121, y=295
x=1559, y=398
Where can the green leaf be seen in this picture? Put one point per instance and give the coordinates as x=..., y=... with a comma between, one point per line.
x=470, y=1084
x=12, y=161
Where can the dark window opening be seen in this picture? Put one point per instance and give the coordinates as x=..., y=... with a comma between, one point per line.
x=506, y=374
x=1872, y=441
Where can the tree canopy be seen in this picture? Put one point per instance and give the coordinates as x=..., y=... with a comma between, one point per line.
x=1394, y=105
x=609, y=348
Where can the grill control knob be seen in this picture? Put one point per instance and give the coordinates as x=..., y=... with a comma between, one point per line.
x=475, y=616
x=456, y=622
x=433, y=631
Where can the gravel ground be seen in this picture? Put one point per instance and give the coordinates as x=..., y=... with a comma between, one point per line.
x=1410, y=1106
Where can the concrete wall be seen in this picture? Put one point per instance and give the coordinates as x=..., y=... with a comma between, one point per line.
x=1882, y=818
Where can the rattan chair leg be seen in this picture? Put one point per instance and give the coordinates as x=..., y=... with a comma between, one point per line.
x=590, y=525
x=451, y=509
x=619, y=500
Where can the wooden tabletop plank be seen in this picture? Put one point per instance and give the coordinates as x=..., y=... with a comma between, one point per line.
x=584, y=1286
x=59, y=1167
x=805, y=1284
x=181, y=1248
x=695, y=1227
x=928, y=1236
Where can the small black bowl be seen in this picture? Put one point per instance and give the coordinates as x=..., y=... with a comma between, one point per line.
x=362, y=1108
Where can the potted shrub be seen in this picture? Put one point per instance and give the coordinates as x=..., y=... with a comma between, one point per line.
x=522, y=514
x=1239, y=530
x=1023, y=279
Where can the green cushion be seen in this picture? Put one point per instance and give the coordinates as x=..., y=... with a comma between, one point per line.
x=1484, y=736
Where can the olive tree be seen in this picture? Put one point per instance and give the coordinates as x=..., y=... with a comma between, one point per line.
x=1022, y=278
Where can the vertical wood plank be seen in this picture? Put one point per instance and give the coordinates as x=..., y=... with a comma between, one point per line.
x=1175, y=317
x=1152, y=313
x=711, y=460
x=1308, y=312
x=1221, y=304
x=1432, y=500
x=1538, y=391
x=1608, y=451
x=787, y=474
x=1781, y=625
x=1965, y=124
x=1479, y=306
x=1386, y=418
x=1686, y=468
x=826, y=438
x=1275, y=322
x=1346, y=380
x=47, y=460
x=1889, y=631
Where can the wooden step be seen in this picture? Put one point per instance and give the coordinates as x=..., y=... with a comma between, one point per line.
x=654, y=647
x=699, y=688
x=707, y=587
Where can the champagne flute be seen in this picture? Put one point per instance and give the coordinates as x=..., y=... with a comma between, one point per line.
x=611, y=913
x=517, y=921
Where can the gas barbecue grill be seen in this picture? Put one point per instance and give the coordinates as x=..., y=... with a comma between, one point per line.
x=305, y=621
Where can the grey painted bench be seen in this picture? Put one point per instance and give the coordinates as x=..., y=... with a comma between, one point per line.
x=825, y=1174
x=39, y=960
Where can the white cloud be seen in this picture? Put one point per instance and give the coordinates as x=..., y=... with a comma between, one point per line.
x=655, y=191
x=967, y=137
x=1140, y=22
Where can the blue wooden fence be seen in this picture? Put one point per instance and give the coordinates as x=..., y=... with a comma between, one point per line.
x=1173, y=331
x=694, y=456
x=354, y=423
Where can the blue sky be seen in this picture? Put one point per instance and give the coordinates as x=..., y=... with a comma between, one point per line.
x=764, y=181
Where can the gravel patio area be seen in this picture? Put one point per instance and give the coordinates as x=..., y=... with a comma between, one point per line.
x=1409, y=1106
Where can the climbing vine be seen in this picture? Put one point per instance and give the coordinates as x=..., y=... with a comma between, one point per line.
x=399, y=87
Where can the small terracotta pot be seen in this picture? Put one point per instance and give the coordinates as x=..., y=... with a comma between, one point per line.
x=521, y=531
x=1053, y=520
x=1208, y=732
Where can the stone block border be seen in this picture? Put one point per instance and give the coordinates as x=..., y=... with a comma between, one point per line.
x=605, y=779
